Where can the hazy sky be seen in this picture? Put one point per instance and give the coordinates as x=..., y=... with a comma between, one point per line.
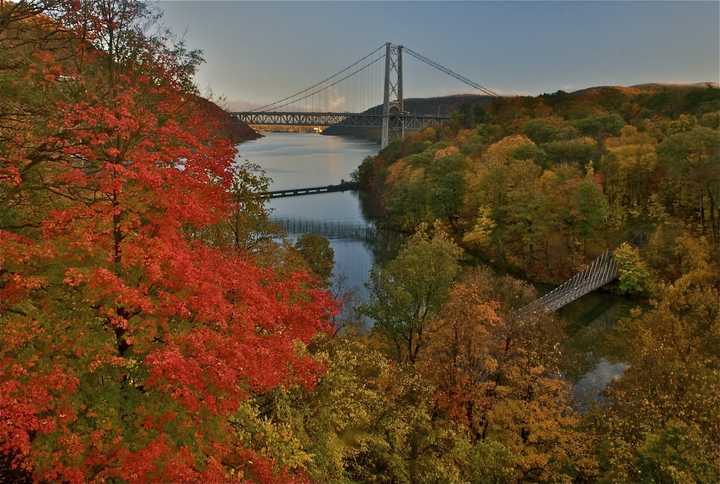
x=261, y=51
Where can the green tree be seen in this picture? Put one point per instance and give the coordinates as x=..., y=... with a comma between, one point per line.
x=468, y=115
x=600, y=127
x=481, y=233
x=318, y=253
x=592, y=206
x=508, y=187
x=410, y=289
x=692, y=160
x=629, y=166
x=677, y=453
x=634, y=276
x=543, y=130
x=367, y=420
x=426, y=187
x=577, y=150
x=247, y=226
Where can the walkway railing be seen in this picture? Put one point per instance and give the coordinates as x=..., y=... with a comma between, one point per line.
x=601, y=271
x=332, y=229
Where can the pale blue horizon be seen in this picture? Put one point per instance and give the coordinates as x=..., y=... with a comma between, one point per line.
x=258, y=52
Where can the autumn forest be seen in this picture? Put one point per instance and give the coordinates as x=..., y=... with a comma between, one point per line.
x=155, y=326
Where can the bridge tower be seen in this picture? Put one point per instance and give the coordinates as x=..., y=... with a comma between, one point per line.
x=393, y=120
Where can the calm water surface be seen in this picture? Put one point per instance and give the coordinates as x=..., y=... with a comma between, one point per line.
x=295, y=160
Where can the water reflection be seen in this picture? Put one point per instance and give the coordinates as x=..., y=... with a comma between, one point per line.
x=295, y=160
x=589, y=388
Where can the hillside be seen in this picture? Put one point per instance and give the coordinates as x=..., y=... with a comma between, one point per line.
x=649, y=87
x=657, y=94
x=611, y=152
x=230, y=127
x=444, y=105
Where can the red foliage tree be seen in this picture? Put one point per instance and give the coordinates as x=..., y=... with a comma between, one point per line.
x=126, y=340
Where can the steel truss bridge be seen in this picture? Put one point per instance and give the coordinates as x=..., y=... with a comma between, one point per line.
x=354, y=120
x=358, y=87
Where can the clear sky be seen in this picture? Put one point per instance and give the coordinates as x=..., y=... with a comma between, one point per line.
x=257, y=52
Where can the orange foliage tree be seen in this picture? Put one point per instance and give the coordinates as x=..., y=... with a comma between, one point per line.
x=497, y=373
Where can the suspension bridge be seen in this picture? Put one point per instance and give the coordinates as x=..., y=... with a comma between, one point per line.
x=374, y=79
x=601, y=271
x=358, y=87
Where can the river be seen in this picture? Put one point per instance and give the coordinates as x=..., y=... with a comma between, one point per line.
x=295, y=160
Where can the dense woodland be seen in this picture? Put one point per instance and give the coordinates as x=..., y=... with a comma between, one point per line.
x=151, y=331
x=538, y=187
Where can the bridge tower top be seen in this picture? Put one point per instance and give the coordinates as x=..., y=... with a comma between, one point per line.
x=393, y=103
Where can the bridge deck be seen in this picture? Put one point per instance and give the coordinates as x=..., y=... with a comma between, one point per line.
x=296, y=192
x=355, y=120
x=332, y=229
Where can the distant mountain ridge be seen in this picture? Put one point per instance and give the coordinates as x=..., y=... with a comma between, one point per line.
x=649, y=87
x=442, y=105
x=446, y=105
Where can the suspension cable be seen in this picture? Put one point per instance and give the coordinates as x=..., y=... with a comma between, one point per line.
x=334, y=83
x=273, y=104
x=450, y=72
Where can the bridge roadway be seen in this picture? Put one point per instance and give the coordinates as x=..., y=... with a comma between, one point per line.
x=296, y=192
x=354, y=120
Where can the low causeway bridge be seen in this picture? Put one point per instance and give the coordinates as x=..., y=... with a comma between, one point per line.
x=332, y=229
x=296, y=192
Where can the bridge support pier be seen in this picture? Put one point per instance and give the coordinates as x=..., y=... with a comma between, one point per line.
x=393, y=120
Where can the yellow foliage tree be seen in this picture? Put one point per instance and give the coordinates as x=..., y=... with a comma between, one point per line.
x=498, y=375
